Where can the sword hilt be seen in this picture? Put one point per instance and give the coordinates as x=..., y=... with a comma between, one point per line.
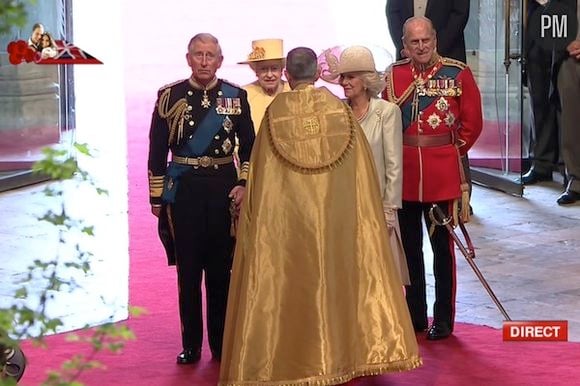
x=438, y=217
x=442, y=219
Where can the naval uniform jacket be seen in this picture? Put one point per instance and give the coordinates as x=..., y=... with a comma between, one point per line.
x=449, y=104
x=176, y=120
x=199, y=125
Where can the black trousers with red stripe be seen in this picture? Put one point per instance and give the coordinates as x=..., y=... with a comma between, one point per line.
x=410, y=221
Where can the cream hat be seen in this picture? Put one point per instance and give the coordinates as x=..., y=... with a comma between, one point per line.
x=265, y=49
x=356, y=59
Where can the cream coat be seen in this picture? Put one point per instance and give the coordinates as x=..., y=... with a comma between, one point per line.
x=383, y=128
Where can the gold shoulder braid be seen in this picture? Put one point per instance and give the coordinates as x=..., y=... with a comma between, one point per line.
x=170, y=84
x=174, y=115
x=453, y=62
x=401, y=62
x=390, y=88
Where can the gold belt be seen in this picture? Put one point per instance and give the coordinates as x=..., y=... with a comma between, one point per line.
x=204, y=161
x=428, y=140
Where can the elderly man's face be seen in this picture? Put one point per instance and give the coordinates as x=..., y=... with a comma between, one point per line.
x=419, y=41
x=269, y=73
x=204, y=58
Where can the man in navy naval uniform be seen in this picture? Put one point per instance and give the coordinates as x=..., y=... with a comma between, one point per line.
x=198, y=121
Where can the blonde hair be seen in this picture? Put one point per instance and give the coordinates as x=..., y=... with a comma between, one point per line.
x=373, y=83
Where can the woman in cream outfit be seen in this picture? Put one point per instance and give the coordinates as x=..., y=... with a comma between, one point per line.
x=382, y=125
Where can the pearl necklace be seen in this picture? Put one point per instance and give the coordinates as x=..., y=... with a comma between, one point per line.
x=361, y=117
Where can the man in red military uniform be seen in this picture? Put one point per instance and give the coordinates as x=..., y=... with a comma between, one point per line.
x=441, y=110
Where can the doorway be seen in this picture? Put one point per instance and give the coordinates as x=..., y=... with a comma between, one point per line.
x=494, y=40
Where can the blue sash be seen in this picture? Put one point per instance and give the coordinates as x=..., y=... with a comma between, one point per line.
x=196, y=146
x=171, y=181
x=211, y=124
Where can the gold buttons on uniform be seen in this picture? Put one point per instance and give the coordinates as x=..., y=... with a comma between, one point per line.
x=216, y=151
x=216, y=137
x=191, y=123
x=190, y=93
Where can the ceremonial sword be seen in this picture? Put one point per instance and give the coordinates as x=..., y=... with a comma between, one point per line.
x=439, y=218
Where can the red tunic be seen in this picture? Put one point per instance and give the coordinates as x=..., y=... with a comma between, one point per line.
x=448, y=104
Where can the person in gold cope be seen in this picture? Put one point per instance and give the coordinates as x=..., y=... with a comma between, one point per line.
x=442, y=118
x=267, y=61
x=315, y=296
x=381, y=123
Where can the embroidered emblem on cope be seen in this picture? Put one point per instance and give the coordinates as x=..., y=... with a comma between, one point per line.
x=311, y=125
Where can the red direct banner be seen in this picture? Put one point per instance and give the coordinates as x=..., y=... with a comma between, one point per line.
x=535, y=331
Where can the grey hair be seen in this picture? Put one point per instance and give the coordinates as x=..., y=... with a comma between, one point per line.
x=415, y=19
x=205, y=37
x=302, y=64
x=254, y=65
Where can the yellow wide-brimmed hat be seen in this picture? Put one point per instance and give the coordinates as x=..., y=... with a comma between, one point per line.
x=265, y=49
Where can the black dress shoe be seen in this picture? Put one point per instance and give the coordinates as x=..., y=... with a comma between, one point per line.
x=568, y=197
x=438, y=331
x=189, y=356
x=420, y=327
x=532, y=177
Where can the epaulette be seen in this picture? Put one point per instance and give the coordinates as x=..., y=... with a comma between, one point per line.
x=171, y=84
x=401, y=62
x=231, y=83
x=453, y=62
x=387, y=71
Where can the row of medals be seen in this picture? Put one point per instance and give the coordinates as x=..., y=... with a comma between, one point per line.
x=225, y=106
